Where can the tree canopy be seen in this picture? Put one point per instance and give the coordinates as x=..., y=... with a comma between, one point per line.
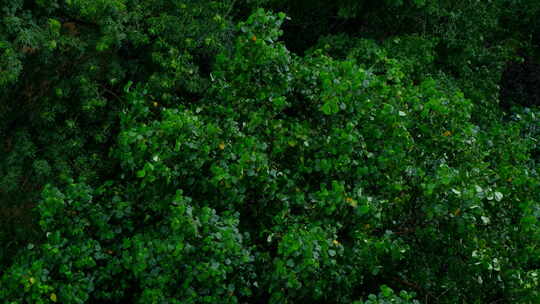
x=270, y=151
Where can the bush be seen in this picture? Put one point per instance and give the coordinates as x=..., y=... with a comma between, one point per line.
x=261, y=175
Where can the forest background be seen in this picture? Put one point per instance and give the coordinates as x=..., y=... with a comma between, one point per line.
x=269, y=151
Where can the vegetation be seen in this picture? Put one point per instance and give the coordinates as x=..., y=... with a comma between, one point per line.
x=270, y=151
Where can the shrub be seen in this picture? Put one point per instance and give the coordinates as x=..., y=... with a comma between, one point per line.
x=267, y=176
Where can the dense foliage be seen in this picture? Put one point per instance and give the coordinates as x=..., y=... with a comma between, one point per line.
x=269, y=151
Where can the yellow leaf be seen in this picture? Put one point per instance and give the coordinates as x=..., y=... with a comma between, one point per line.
x=447, y=133
x=351, y=201
x=155, y=104
x=222, y=146
x=53, y=297
x=336, y=242
x=32, y=280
